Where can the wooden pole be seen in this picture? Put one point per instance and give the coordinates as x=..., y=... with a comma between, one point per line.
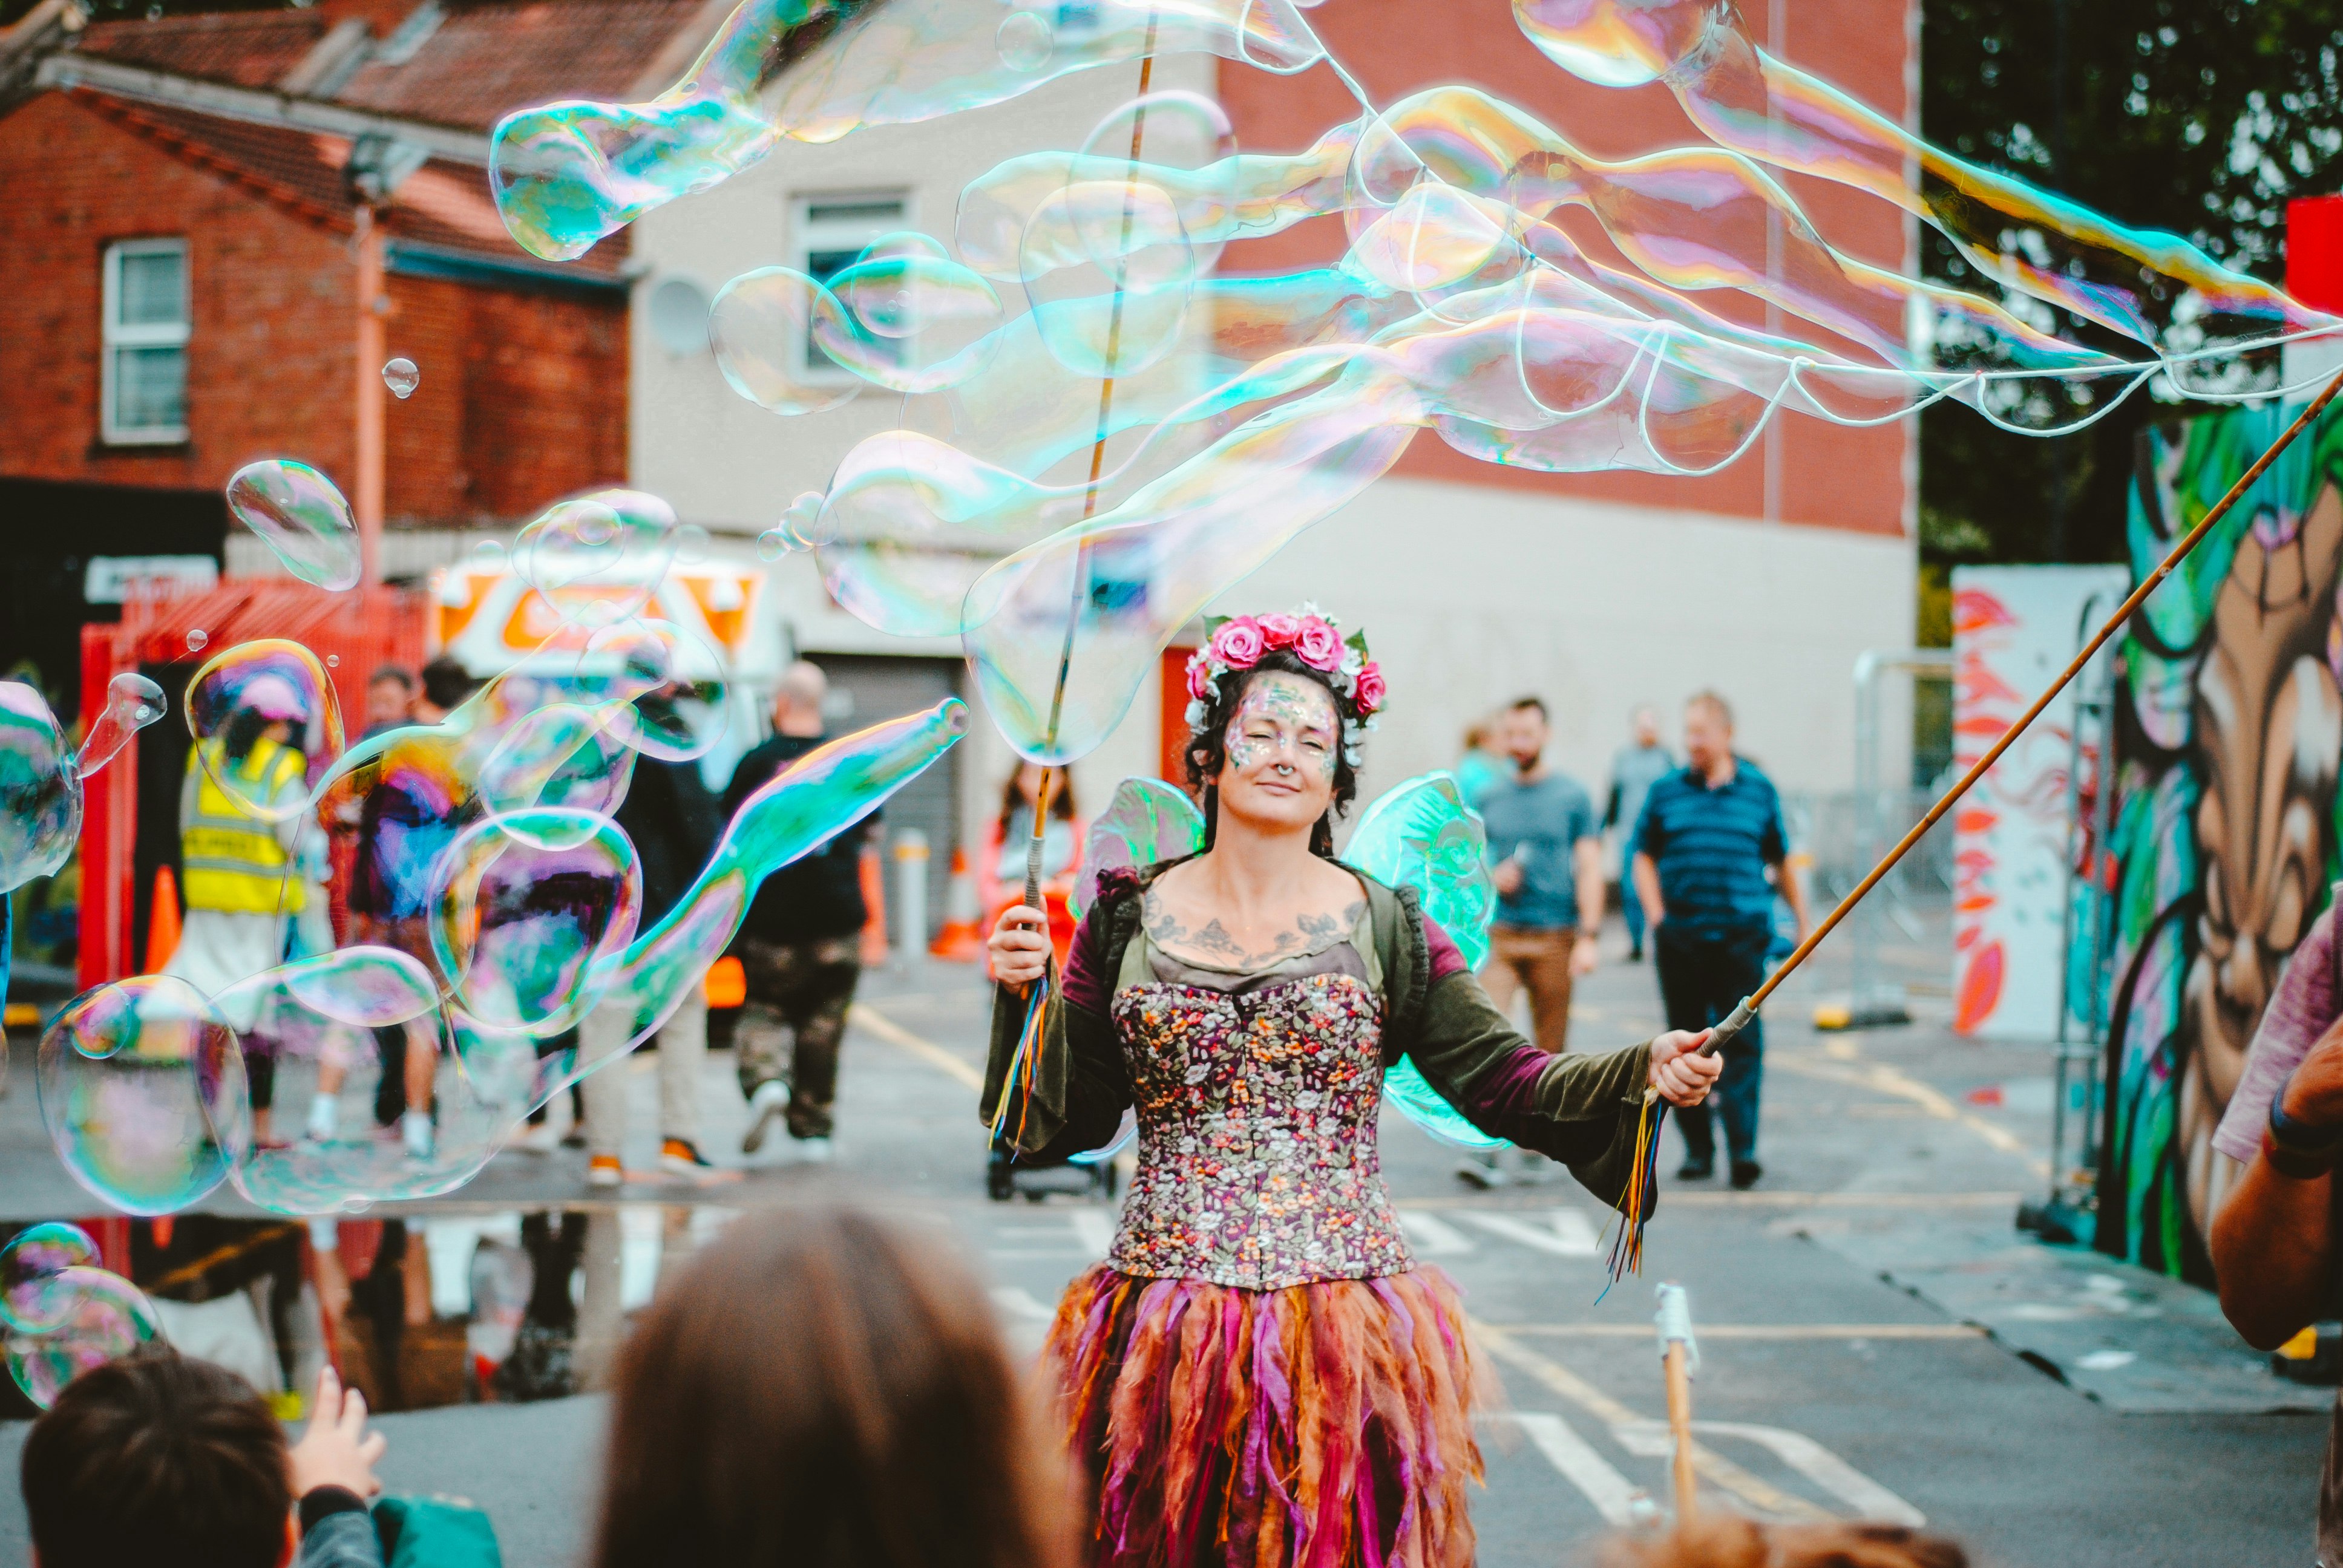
x=372, y=307
x=1747, y=1010
x=1680, y=1428
x=1098, y=465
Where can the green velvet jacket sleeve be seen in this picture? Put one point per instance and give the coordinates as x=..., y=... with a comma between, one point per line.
x=1576, y=1108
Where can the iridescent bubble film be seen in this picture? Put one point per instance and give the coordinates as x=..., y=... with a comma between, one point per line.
x=300, y=516
x=401, y=377
x=1241, y=409
x=101, y=1317
x=142, y=1090
x=263, y=714
x=31, y=1299
x=40, y=788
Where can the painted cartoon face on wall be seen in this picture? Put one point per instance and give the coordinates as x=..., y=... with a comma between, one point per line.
x=2268, y=734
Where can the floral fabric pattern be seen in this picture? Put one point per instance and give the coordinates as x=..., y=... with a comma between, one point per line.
x=1258, y=1165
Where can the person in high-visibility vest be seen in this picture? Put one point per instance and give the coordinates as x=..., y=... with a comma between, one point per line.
x=237, y=837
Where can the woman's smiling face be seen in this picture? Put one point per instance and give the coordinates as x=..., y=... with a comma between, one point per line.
x=1281, y=748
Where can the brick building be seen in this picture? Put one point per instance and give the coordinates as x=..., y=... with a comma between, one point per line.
x=183, y=283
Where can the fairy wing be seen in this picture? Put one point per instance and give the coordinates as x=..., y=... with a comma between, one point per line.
x=1422, y=835
x=1147, y=822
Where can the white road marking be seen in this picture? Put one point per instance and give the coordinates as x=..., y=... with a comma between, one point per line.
x=1577, y=1462
x=1566, y=1232
x=1864, y=1498
x=1432, y=1235
x=1021, y=1304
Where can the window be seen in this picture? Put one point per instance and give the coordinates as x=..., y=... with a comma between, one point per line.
x=832, y=231
x=145, y=377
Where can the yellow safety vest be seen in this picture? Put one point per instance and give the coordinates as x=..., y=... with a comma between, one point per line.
x=231, y=860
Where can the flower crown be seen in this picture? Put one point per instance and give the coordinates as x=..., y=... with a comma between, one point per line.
x=1314, y=637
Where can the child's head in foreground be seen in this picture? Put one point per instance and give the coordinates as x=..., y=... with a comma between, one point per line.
x=824, y=1387
x=158, y=1458
x=1728, y=1540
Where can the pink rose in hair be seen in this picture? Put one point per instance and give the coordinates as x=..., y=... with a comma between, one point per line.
x=1317, y=645
x=1200, y=679
x=1369, y=693
x=1239, y=643
x=1279, y=631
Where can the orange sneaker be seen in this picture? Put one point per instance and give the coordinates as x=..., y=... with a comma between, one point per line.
x=679, y=1155
x=604, y=1171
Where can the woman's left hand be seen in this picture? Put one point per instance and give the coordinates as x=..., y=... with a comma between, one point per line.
x=1681, y=1074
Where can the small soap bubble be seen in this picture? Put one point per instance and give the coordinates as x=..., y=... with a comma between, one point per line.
x=691, y=545
x=299, y=515
x=103, y=1317
x=772, y=545
x=198, y=639
x=1025, y=39
x=30, y=1300
x=333, y=661
x=488, y=556
x=402, y=377
x=142, y=1089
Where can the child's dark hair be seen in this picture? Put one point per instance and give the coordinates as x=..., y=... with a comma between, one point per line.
x=157, y=1458
x=1208, y=745
x=826, y=1388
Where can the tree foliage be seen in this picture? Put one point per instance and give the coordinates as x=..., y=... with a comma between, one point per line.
x=2198, y=116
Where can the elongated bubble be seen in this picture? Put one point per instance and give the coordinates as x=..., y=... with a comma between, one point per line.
x=528, y=905
x=132, y=703
x=301, y=516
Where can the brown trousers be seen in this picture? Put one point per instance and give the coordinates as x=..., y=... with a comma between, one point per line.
x=1539, y=960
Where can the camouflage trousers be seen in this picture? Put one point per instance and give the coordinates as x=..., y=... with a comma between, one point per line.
x=792, y=1021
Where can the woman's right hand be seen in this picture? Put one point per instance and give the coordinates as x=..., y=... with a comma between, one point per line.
x=1020, y=945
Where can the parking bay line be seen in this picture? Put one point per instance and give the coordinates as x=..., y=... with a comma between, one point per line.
x=1713, y=1466
x=927, y=1051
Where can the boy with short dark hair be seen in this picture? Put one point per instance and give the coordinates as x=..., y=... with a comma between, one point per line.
x=161, y=1458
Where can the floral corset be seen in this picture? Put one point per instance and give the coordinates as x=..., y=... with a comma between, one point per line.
x=1256, y=1100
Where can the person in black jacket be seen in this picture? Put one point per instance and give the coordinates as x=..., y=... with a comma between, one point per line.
x=671, y=818
x=800, y=947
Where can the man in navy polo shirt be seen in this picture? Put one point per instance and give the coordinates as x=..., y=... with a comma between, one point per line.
x=1708, y=865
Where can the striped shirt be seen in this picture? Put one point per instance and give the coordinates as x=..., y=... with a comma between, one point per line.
x=1712, y=848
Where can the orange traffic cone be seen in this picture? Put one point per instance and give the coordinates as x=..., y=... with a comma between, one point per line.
x=961, y=941
x=874, y=900
x=163, y=922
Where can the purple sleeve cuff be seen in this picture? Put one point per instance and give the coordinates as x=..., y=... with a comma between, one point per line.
x=1081, y=984
x=1446, y=957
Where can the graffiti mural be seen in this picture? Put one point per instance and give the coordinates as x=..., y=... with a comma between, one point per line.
x=2230, y=729
x=2014, y=629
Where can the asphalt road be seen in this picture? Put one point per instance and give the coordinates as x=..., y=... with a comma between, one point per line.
x=1825, y=1390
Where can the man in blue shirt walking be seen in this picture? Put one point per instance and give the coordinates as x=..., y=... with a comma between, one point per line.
x=1546, y=864
x=1708, y=863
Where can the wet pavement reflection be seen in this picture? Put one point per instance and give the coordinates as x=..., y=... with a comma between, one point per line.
x=418, y=1309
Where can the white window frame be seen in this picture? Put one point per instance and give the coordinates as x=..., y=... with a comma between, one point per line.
x=810, y=232
x=117, y=336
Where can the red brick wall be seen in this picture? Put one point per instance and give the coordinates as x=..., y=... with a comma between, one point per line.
x=523, y=395
x=1829, y=475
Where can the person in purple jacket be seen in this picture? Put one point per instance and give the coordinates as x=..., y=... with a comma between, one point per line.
x=2276, y=1227
x=1259, y=1356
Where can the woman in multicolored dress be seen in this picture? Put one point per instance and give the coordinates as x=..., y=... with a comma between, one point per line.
x=1259, y=1375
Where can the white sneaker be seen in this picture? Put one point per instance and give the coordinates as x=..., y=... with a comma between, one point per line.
x=813, y=1151
x=415, y=1128
x=765, y=1106
x=1484, y=1174
x=325, y=1115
